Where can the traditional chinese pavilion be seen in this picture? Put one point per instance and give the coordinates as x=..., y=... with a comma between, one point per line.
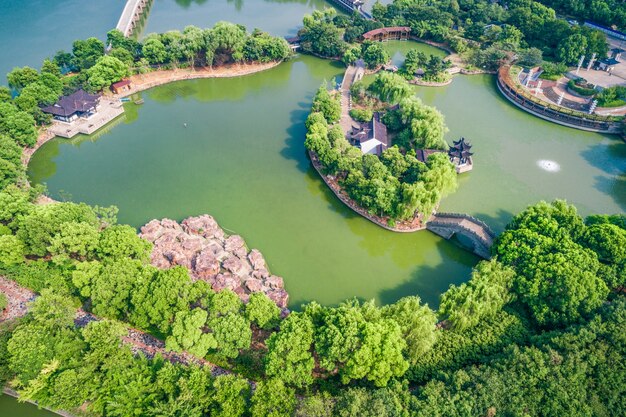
x=70, y=108
x=460, y=154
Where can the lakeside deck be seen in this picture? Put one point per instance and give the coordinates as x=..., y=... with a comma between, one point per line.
x=107, y=111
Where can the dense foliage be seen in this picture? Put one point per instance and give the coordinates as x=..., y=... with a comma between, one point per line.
x=395, y=184
x=496, y=29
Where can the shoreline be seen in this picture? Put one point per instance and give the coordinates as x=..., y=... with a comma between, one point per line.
x=143, y=82
x=12, y=393
x=414, y=226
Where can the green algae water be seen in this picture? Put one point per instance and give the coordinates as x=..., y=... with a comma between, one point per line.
x=241, y=158
x=10, y=407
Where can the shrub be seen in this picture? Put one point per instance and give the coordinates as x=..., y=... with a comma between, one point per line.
x=361, y=115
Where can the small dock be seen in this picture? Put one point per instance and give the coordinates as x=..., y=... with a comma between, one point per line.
x=131, y=15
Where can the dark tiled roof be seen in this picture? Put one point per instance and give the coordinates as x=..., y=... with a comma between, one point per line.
x=423, y=154
x=80, y=101
x=372, y=33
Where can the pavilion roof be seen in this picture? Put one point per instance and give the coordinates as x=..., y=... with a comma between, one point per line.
x=79, y=101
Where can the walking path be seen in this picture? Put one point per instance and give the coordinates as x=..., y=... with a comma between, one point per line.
x=19, y=299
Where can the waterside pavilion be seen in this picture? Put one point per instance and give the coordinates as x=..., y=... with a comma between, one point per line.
x=78, y=104
x=81, y=112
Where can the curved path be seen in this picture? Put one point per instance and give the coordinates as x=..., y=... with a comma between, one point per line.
x=19, y=299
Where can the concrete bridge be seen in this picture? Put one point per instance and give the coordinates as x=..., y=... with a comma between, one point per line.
x=131, y=15
x=475, y=231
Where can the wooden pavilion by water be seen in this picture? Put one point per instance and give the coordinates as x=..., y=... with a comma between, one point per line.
x=396, y=33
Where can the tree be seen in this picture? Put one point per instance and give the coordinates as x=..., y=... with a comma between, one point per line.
x=374, y=54
x=486, y=293
x=86, y=53
x=320, y=36
x=187, y=334
x=40, y=227
x=74, y=239
x=232, y=334
x=572, y=48
x=417, y=323
x=426, y=124
x=105, y=72
x=19, y=78
x=530, y=57
x=557, y=279
x=272, y=399
x=230, y=396
x=360, y=343
x=327, y=104
x=390, y=87
x=154, y=50
x=156, y=302
x=606, y=240
x=262, y=311
x=121, y=241
x=289, y=355
x=18, y=125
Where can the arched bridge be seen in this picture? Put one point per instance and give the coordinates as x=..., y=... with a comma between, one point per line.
x=476, y=231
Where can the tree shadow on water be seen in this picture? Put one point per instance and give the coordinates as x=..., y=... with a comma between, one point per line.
x=614, y=187
x=430, y=282
x=294, y=143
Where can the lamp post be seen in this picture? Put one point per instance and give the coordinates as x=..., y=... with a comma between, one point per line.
x=580, y=63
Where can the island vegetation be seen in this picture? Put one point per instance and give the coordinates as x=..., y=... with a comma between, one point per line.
x=537, y=330
x=395, y=184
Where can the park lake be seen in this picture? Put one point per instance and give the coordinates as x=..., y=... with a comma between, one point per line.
x=233, y=148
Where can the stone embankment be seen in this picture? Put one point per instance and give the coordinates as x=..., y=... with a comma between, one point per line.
x=201, y=246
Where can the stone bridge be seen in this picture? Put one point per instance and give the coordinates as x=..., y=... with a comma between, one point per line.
x=472, y=229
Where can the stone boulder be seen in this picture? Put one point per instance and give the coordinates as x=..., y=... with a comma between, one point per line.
x=205, y=265
x=233, y=243
x=204, y=226
x=256, y=260
x=200, y=245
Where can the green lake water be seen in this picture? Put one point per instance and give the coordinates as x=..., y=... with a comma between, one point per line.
x=10, y=407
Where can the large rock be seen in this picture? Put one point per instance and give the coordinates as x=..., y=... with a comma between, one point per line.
x=274, y=282
x=257, y=260
x=206, y=266
x=233, y=243
x=204, y=225
x=199, y=244
x=226, y=281
x=237, y=266
x=254, y=285
x=280, y=297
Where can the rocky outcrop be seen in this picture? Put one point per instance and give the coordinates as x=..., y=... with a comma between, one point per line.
x=201, y=246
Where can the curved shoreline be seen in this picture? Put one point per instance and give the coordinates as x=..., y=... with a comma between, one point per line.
x=142, y=82
x=415, y=226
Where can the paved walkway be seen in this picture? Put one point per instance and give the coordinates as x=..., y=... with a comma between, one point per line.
x=19, y=299
x=353, y=74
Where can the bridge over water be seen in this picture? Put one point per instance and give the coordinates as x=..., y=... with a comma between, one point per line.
x=472, y=229
x=131, y=15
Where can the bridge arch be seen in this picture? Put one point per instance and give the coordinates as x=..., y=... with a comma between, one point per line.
x=474, y=230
